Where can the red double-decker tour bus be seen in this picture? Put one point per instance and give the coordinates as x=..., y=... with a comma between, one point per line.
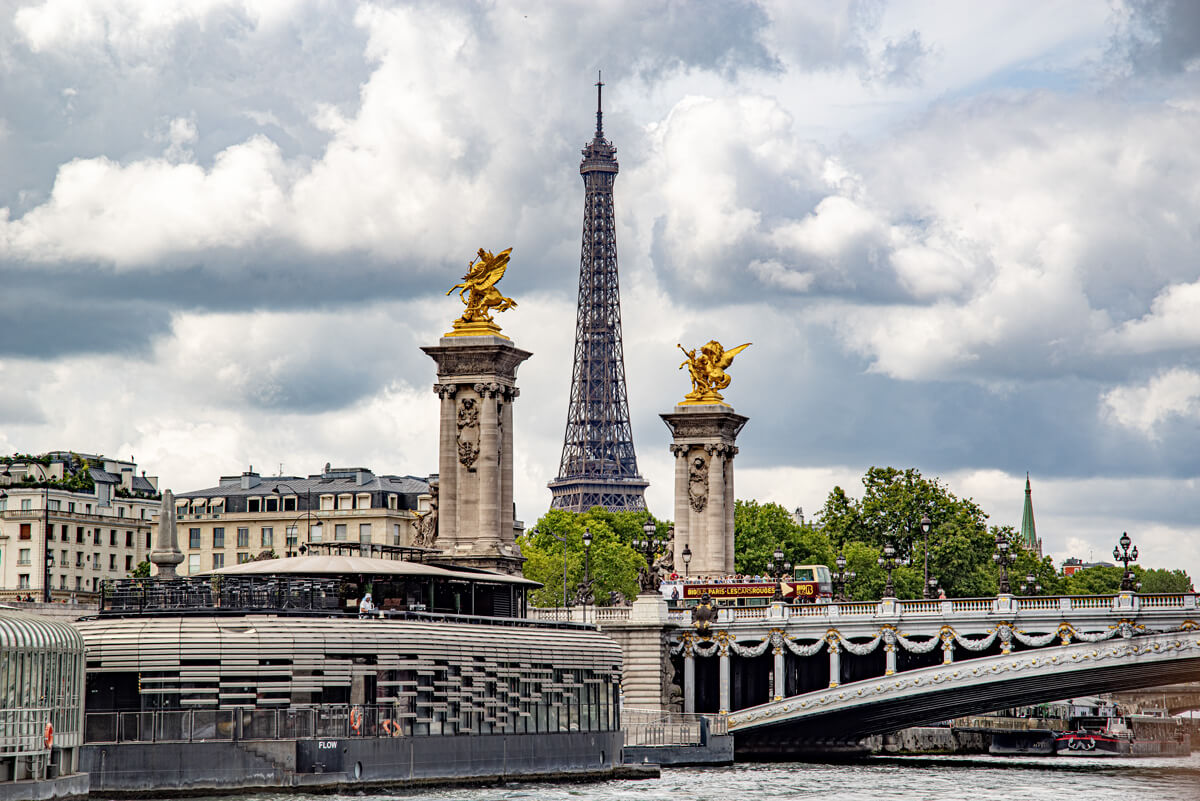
x=809, y=584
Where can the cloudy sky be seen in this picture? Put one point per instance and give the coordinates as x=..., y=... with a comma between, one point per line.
x=962, y=236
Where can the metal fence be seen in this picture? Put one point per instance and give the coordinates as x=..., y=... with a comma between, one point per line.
x=654, y=727
x=195, y=725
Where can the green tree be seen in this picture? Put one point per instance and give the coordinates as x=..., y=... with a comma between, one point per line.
x=142, y=570
x=614, y=563
x=758, y=529
x=1098, y=580
x=893, y=503
x=1163, y=580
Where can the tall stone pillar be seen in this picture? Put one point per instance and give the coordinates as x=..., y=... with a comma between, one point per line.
x=703, y=437
x=477, y=385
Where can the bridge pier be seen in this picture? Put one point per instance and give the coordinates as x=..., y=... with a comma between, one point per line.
x=689, y=678
x=724, y=679
x=780, y=688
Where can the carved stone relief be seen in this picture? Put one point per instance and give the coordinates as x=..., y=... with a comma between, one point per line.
x=698, y=482
x=468, y=433
x=425, y=527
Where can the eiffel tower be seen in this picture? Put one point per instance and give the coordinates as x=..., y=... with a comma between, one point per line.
x=598, y=467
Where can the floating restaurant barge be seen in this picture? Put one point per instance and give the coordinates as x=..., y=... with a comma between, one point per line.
x=238, y=681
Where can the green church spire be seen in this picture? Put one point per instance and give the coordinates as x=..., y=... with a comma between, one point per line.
x=1029, y=537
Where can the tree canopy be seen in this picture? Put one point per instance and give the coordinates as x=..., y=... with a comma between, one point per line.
x=960, y=549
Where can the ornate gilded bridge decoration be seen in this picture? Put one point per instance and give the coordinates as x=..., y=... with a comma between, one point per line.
x=478, y=292
x=707, y=371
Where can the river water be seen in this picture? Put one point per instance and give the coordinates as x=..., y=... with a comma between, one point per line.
x=950, y=778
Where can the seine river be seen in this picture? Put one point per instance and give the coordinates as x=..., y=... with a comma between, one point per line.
x=919, y=778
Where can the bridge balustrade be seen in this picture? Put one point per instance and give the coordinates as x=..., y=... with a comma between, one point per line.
x=755, y=655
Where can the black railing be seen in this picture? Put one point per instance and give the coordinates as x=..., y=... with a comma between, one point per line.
x=228, y=593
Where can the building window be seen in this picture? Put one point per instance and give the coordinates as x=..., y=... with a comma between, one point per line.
x=392, y=501
x=218, y=561
x=243, y=558
x=79, y=534
x=363, y=501
x=272, y=504
x=219, y=539
x=26, y=531
x=339, y=532
x=26, y=504
x=128, y=563
x=112, y=561
x=316, y=533
x=65, y=560
x=55, y=505
x=243, y=538
x=96, y=537
x=193, y=538
x=268, y=537
x=128, y=539
x=23, y=556
x=23, y=581
x=62, y=582
x=292, y=538
x=327, y=502
x=79, y=559
x=95, y=561
x=87, y=508
x=254, y=505
x=79, y=583
x=194, y=563
x=289, y=504
x=120, y=511
x=364, y=532
x=395, y=533
x=345, y=502
x=112, y=537
x=147, y=540
x=71, y=507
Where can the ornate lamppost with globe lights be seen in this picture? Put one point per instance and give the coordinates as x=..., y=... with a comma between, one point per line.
x=1125, y=555
x=889, y=562
x=840, y=578
x=781, y=568
x=687, y=559
x=1031, y=585
x=1003, y=557
x=926, y=525
x=648, y=546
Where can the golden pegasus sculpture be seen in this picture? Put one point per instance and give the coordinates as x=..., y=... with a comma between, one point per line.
x=707, y=371
x=478, y=292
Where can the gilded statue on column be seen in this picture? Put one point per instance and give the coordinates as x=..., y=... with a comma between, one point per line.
x=478, y=292
x=707, y=371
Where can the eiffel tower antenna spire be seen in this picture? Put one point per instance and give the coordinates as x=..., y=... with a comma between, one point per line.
x=599, y=466
x=599, y=107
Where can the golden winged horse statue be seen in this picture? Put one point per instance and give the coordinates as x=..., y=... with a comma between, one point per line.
x=478, y=291
x=707, y=371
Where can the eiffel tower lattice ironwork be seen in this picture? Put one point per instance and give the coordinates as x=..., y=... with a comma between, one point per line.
x=598, y=467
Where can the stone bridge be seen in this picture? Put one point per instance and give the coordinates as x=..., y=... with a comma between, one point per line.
x=856, y=657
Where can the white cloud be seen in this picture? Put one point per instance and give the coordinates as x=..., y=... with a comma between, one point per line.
x=1173, y=322
x=1174, y=393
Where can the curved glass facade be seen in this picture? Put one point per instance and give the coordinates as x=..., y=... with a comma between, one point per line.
x=41, y=683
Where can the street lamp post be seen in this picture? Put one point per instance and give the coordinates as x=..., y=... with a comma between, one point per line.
x=687, y=559
x=1031, y=585
x=889, y=562
x=587, y=570
x=648, y=546
x=781, y=568
x=307, y=509
x=926, y=525
x=1126, y=556
x=840, y=578
x=1003, y=557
